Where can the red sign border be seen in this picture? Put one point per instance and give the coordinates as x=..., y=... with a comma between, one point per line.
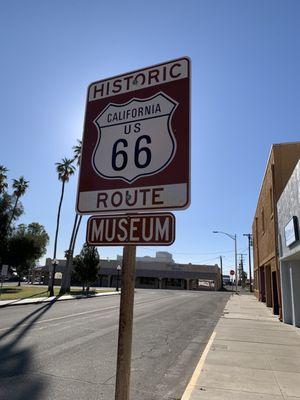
x=188, y=198
x=188, y=59
x=132, y=215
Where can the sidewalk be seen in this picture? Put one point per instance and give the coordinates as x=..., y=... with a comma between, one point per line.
x=18, y=302
x=251, y=356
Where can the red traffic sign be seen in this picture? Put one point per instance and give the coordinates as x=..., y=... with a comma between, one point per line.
x=232, y=272
x=135, y=229
x=136, y=141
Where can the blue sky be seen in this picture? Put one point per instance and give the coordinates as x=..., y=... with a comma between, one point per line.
x=245, y=96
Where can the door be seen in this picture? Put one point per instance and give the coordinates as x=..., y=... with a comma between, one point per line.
x=275, y=293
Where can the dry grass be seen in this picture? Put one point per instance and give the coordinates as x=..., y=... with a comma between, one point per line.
x=11, y=292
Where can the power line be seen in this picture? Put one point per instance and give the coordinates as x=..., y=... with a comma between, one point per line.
x=153, y=249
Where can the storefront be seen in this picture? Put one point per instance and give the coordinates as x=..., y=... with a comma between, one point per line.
x=288, y=208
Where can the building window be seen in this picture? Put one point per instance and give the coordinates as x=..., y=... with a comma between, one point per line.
x=147, y=281
x=263, y=221
x=173, y=282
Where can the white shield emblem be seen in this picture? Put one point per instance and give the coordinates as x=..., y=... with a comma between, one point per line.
x=135, y=138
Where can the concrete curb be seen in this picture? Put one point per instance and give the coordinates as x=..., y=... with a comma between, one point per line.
x=193, y=381
x=38, y=300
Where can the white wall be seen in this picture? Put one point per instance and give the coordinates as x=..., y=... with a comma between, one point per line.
x=290, y=286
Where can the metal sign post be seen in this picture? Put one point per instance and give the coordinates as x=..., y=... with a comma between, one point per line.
x=125, y=324
x=232, y=273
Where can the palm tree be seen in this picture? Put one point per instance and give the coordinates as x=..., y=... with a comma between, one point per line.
x=65, y=170
x=66, y=280
x=20, y=186
x=77, y=157
x=77, y=151
x=3, y=177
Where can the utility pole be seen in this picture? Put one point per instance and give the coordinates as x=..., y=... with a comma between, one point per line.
x=241, y=269
x=233, y=237
x=235, y=257
x=221, y=266
x=250, y=243
x=241, y=266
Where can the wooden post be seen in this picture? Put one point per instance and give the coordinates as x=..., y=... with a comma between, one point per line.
x=125, y=324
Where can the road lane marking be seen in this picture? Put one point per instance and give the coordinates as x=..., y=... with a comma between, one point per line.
x=65, y=316
x=192, y=383
x=85, y=312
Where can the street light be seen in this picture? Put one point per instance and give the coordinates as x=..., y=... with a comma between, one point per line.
x=249, y=236
x=118, y=272
x=233, y=237
x=221, y=266
x=54, y=264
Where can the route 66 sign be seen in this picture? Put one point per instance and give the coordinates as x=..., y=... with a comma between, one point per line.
x=138, y=126
x=136, y=143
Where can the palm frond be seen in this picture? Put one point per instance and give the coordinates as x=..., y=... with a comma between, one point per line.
x=77, y=151
x=65, y=169
x=3, y=170
x=20, y=186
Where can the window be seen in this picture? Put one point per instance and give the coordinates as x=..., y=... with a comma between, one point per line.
x=147, y=281
x=173, y=282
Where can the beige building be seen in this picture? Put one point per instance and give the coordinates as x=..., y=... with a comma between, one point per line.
x=159, y=272
x=281, y=163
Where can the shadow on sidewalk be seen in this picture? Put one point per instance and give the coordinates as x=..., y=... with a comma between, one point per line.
x=17, y=378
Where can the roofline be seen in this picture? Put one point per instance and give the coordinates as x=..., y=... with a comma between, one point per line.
x=286, y=143
x=284, y=190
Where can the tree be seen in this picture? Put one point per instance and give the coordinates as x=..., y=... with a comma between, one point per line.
x=21, y=251
x=3, y=178
x=66, y=279
x=26, y=246
x=77, y=151
x=65, y=170
x=38, y=234
x=244, y=279
x=20, y=186
x=6, y=209
x=87, y=266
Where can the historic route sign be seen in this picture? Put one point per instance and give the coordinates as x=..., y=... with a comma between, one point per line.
x=136, y=141
x=134, y=229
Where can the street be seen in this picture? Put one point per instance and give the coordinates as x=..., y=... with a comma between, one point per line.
x=67, y=350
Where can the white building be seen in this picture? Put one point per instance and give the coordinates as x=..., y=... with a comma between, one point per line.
x=161, y=256
x=288, y=210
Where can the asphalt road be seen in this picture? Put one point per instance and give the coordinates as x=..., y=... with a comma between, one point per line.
x=67, y=350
